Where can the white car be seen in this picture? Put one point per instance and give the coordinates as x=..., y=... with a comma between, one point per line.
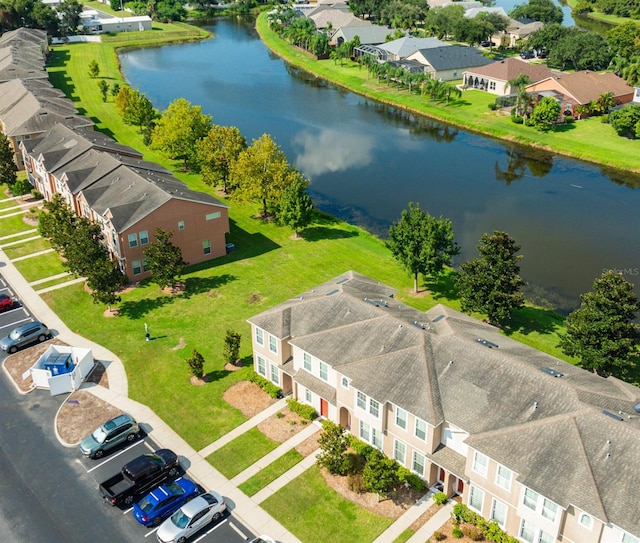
x=192, y=517
x=263, y=539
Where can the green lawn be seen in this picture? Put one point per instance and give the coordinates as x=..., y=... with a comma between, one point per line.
x=589, y=139
x=240, y=453
x=12, y=225
x=27, y=248
x=274, y=470
x=404, y=536
x=315, y=513
x=53, y=282
x=40, y=266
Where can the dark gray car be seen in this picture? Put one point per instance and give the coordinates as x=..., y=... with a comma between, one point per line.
x=109, y=435
x=32, y=332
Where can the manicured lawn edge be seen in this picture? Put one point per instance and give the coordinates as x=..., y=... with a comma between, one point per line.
x=271, y=472
x=241, y=453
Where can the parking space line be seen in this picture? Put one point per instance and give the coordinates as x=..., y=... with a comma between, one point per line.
x=151, y=532
x=127, y=511
x=238, y=530
x=14, y=324
x=113, y=457
x=209, y=531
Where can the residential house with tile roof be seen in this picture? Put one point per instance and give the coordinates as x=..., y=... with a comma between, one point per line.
x=494, y=77
x=448, y=63
x=547, y=450
x=130, y=198
x=580, y=88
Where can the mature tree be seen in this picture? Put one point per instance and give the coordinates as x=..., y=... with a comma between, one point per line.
x=545, y=113
x=380, y=474
x=217, y=152
x=123, y=99
x=139, y=111
x=602, y=332
x=105, y=279
x=103, y=86
x=178, y=129
x=69, y=12
x=56, y=223
x=296, y=207
x=421, y=243
x=624, y=39
x=547, y=37
x=231, y=347
x=85, y=247
x=94, y=68
x=491, y=283
x=581, y=49
x=333, y=443
x=164, y=260
x=443, y=21
x=539, y=10
x=626, y=121
x=115, y=90
x=262, y=173
x=8, y=168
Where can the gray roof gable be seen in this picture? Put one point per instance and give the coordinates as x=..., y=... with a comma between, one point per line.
x=454, y=57
x=403, y=47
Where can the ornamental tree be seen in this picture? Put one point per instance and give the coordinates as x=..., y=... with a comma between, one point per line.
x=164, y=260
x=421, y=243
x=296, y=207
x=333, y=443
x=602, y=332
x=491, y=283
x=217, y=152
x=8, y=168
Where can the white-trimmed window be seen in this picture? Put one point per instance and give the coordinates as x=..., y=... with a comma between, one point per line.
x=374, y=407
x=527, y=531
x=376, y=439
x=544, y=537
x=133, y=240
x=308, y=396
x=503, y=477
x=480, y=463
x=399, y=451
x=306, y=362
x=275, y=374
x=262, y=366
x=145, y=264
x=549, y=509
x=628, y=538
x=499, y=513
x=136, y=265
x=144, y=237
x=361, y=400
x=417, y=464
x=273, y=344
x=365, y=432
x=421, y=429
x=206, y=247
x=401, y=418
x=259, y=336
x=180, y=225
x=324, y=371
x=345, y=382
x=531, y=499
x=476, y=498
x=586, y=521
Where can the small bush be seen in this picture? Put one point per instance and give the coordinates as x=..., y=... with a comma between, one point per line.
x=36, y=194
x=438, y=536
x=517, y=119
x=356, y=483
x=440, y=498
x=279, y=415
x=271, y=389
x=411, y=479
x=353, y=463
x=361, y=447
x=456, y=532
x=473, y=532
x=196, y=364
x=304, y=410
x=21, y=187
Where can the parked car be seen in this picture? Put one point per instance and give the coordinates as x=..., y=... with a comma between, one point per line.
x=22, y=336
x=112, y=433
x=487, y=43
x=163, y=501
x=191, y=517
x=263, y=539
x=542, y=54
x=6, y=302
x=527, y=55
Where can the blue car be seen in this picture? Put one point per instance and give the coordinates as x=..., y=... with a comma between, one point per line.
x=163, y=501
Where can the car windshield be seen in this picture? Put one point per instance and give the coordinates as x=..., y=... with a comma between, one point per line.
x=145, y=505
x=15, y=334
x=99, y=435
x=175, y=489
x=180, y=519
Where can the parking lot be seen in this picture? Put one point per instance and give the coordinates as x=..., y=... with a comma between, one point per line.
x=14, y=317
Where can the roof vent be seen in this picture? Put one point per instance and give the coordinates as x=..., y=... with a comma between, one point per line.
x=612, y=415
x=343, y=280
x=439, y=318
x=333, y=292
x=418, y=325
x=487, y=343
x=535, y=405
x=608, y=455
x=636, y=408
x=552, y=372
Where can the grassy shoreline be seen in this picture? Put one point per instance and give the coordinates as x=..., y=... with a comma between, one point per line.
x=588, y=140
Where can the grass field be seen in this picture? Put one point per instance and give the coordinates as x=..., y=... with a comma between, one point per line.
x=270, y=473
x=40, y=266
x=240, y=453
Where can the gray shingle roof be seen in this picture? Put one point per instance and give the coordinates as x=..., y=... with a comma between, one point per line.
x=454, y=57
x=403, y=47
x=551, y=431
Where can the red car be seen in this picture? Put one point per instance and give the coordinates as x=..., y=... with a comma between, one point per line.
x=6, y=302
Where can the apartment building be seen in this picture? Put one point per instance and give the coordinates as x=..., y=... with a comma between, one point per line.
x=546, y=449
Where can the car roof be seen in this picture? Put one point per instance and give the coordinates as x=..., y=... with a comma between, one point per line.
x=118, y=421
x=201, y=502
x=29, y=326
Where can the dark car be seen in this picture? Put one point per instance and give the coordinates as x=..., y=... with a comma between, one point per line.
x=527, y=55
x=487, y=43
x=6, y=302
x=163, y=501
x=22, y=336
x=542, y=54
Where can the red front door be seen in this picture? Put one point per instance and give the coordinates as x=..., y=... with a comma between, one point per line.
x=324, y=408
x=460, y=486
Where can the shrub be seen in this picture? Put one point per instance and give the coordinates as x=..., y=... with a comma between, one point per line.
x=456, y=532
x=271, y=389
x=440, y=498
x=333, y=444
x=517, y=119
x=361, y=447
x=353, y=463
x=279, y=415
x=411, y=479
x=37, y=195
x=231, y=347
x=21, y=187
x=305, y=411
x=355, y=482
x=196, y=364
x=438, y=536
x=473, y=532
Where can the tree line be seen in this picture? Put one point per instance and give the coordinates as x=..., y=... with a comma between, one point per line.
x=601, y=333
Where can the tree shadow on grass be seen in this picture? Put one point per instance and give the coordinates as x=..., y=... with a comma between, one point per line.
x=443, y=287
x=139, y=308
x=215, y=375
x=199, y=285
x=533, y=319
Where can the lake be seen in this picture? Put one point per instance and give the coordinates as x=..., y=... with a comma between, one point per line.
x=366, y=161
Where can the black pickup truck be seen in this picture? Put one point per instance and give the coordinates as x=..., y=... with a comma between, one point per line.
x=139, y=476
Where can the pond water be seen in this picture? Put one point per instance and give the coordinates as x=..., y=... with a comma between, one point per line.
x=366, y=161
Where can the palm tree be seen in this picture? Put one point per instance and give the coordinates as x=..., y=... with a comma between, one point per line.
x=520, y=84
